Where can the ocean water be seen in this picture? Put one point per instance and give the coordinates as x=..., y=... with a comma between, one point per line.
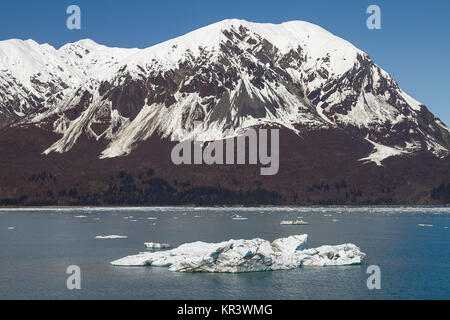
x=37, y=246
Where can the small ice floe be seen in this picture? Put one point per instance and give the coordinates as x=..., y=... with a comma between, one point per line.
x=335, y=220
x=327, y=215
x=11, y=228
x=293, y=222
x=113, y=236
x=132, y=220
x=80, y=216
x=238, y=217
x=425, y=225
x=445, y=227
x=197, y=216
x=152, y=218
x=246, y=256
x=175, y=218
x=156, y=245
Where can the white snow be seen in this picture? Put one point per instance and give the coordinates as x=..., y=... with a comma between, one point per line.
x=111, y=237
x=246, y=256
x=413, y=103
x=285, y=36
x=381, y=152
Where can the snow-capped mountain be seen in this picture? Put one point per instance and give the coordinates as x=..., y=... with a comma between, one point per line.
x=230, y=75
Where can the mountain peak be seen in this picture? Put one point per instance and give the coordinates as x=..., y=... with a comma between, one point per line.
x=85, y=43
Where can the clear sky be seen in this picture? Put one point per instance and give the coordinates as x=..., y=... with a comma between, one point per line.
x=413, y=44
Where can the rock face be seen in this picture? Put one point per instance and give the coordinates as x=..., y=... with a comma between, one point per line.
x=246, y=256
x=85, y=112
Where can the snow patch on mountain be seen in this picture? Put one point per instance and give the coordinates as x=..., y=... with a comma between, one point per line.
x=381, y=153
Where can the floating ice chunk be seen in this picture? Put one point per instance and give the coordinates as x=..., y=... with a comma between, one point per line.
x=111, y=237
x=156, y=245
x=152, y=218
x=293, y=222
x=11, y=228
x=238, y=217
x=246, y=256
x=80, y=216
x=425, y=225
x=345, y=254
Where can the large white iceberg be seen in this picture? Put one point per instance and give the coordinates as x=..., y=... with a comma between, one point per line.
x=246, y=256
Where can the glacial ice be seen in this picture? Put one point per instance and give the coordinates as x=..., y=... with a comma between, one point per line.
x=156, y=245
x=246, y=256
x=238, y=217
x=111, y=237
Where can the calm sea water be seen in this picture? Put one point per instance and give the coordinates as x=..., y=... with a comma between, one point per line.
x=414, y=260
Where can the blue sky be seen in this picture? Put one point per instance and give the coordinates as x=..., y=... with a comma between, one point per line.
x=413, y=44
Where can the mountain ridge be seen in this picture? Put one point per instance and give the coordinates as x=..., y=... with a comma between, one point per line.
x=229, y=76
x=336, y=59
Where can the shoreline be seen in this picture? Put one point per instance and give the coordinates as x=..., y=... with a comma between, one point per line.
x=224, y=206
